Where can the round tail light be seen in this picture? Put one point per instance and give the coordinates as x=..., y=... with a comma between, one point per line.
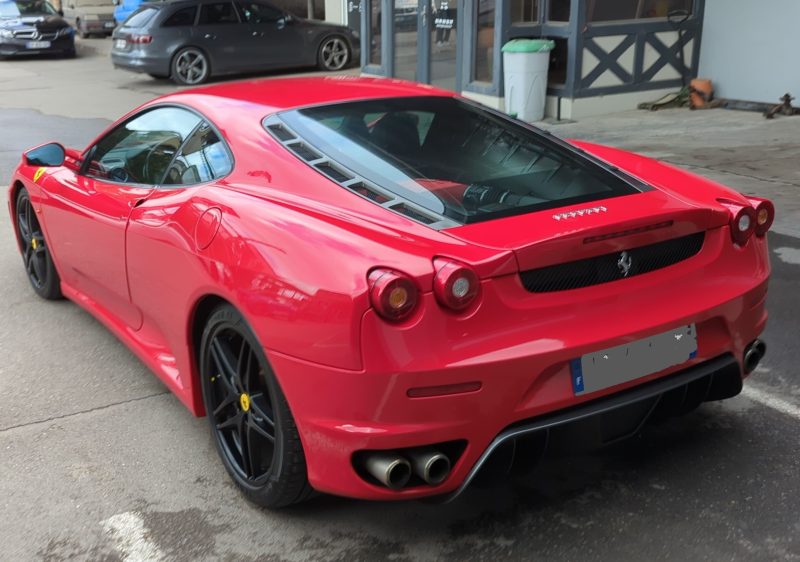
x=765, y=214
x=743, y=224
x=456, y=285
x=393, y=294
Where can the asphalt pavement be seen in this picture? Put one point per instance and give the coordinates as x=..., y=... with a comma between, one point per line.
x=98, y=461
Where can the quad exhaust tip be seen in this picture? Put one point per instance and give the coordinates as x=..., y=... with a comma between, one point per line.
x=394, y=470
x=390, y=469
x=753, y=354
x=430, y=465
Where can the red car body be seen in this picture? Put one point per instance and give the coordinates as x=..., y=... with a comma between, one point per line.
x=291, y=250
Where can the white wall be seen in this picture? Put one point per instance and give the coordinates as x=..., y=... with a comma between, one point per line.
x=750, y=48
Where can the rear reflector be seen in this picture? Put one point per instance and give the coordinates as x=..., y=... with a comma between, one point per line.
x=444, y=389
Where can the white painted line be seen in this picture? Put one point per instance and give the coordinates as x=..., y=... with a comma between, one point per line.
x=129, y=532
x=770, y=401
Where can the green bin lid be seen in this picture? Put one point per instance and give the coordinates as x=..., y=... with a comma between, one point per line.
x=529, y=46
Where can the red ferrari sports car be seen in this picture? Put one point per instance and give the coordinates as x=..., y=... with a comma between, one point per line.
x=379, y=289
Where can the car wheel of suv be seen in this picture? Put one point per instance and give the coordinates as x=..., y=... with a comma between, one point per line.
x=334, y=53
x=190, y=66
x=251, y=424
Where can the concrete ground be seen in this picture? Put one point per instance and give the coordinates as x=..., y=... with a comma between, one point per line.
x=99, y=462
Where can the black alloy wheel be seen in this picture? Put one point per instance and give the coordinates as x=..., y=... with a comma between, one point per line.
x=251, y=423
x=334, y=53
x=39, y=265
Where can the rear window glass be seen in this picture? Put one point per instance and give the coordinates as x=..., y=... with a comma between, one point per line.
x=140, y=17
x=183, y=17
x=453, y=158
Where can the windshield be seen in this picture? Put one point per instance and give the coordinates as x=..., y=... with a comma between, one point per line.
x=26, y=8
x=454, y=158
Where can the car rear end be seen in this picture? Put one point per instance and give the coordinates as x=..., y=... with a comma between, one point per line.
x=609, y=300
x=139, y=43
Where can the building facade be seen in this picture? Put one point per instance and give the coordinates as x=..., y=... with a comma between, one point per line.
x=609, y=55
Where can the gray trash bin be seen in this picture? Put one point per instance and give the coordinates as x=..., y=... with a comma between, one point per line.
x=525, y=63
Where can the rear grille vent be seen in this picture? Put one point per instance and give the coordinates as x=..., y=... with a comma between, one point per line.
x=612, y=267
x=349, y=179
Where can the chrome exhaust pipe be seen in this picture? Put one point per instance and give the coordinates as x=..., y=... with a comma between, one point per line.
x=430, y=465
x=390, y=469
x=753, y=354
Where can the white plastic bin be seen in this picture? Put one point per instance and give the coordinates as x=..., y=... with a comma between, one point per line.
x=525, y=63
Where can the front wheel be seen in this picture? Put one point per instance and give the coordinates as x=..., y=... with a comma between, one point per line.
x=251, y=424
x=190, y=67
x=334, y=53
x=39, y=265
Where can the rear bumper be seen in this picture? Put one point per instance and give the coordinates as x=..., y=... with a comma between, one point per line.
x=518, y=346
x=99, y=26
x=138, y=61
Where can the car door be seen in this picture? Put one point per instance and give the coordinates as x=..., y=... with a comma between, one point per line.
x=220, y=32
x=87, y=212
x=275, y=39
x=165, y=233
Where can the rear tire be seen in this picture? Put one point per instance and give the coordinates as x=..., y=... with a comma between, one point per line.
x=334, y=53
x=190, y=67
x=250, y=421
x=39, y=266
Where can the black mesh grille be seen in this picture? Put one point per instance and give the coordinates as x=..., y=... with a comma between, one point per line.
x=611, y=267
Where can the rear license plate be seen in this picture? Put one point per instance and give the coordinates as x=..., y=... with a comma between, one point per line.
x=38, y=44
x=627, y=362
x=120, y=44
x=108, y=24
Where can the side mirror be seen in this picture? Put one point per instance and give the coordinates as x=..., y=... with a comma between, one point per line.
x=73, y=159
x=61, y=13
x=50, y=155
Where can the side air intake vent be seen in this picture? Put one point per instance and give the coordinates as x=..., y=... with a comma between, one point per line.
x=350, y=180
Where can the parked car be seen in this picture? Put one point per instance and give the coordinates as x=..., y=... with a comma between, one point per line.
x=34, y=27
x=193, y=40
x=377, y=289
x=90, y=17
x=124, y=8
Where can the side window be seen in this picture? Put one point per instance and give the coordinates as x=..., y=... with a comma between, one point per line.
x=214, y=14
x=183, y=17
x=203, y=158
x=256, y=12
x=139, y=150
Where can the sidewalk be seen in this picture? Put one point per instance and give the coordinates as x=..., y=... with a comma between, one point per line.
x=741, y=149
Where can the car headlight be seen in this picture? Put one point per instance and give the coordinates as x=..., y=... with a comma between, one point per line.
x=6, y=34
x=91, y=17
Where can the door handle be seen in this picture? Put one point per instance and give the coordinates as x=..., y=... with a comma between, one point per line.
x=209, y=36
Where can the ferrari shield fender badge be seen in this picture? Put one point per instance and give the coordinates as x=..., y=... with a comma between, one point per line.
x=39, y=173
x=624, y=263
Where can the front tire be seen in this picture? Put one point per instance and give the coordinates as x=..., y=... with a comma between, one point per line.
x=334, y=53
x=39, y=266
x=190, y=67
x=251, y=423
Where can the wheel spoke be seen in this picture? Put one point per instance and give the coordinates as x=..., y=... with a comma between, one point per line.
x=224, y=365
x=232, y=422
x=261, y=431
x=229, y=400
x=244, y=446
